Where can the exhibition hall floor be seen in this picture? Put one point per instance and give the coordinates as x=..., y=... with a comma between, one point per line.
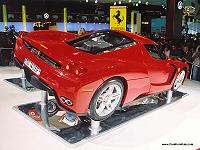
x=178, y=123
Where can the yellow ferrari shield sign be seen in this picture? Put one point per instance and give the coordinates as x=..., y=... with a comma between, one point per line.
x=118, y=18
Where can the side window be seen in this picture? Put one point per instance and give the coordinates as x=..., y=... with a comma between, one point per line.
x=153, y=51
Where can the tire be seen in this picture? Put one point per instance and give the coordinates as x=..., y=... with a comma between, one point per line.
x=52, y=108
x=179, y=80
x=106, y=100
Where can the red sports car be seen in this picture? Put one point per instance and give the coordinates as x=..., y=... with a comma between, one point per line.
x=96, y=73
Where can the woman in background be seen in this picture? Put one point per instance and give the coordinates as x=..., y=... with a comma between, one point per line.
x=166, y=51
x=81, y=31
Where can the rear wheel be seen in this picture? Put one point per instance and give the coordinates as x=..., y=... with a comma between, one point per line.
x=179, y=80
x=52, y=108
x=106, y=100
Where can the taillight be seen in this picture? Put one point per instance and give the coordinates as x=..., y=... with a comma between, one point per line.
x=75, y=69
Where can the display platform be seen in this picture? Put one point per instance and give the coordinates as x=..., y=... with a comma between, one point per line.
x=22, y=83
x=83, y=130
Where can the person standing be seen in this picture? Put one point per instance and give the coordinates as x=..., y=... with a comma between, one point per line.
x=81, y=31
x=196, y=62
x=187, y=56
x=166, y=51
x=174, y=51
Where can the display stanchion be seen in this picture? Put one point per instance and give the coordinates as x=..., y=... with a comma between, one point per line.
x=44, y=109
x=169, y=96
x=23, y=74
x=23, y=79
x=95, y=127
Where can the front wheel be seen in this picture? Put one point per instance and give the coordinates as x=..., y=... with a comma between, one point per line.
x=106, y=100
x=179, y=80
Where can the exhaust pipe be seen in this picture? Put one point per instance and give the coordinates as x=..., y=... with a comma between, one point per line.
x=66, y=101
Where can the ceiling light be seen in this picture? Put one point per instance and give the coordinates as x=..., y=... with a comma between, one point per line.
x=115, y=3
x=46, y=16
x=136, y=4
x=139, y=1
x=129, y=1
x=86, y=1
x=147, y=3
x=96, y=1
x=120, y=2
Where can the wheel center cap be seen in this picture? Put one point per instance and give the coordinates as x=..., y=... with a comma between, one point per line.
x=106, y=99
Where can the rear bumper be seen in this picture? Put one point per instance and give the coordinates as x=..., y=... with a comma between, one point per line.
x=38, y=83
x=59, y=86
x=35, y=81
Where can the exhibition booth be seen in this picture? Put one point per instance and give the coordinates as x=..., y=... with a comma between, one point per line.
x=123, y=75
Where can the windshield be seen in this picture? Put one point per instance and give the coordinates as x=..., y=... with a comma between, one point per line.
x=100, y=41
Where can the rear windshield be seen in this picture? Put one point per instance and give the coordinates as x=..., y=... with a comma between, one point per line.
x=100, y=41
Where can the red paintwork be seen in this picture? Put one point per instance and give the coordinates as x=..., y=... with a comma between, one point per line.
x=142, y=73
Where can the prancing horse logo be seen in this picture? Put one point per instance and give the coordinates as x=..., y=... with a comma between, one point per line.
x=117, y=17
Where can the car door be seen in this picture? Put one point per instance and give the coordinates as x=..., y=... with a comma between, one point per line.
x=159, y=69
x=128, y=64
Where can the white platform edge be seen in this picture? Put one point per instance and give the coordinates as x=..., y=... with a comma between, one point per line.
x=89, y=139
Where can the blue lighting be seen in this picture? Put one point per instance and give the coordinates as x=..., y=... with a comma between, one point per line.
x=60, y=26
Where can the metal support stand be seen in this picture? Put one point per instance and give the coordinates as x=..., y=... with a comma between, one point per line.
x=23, y=74
x=44, y=109
x=23, y=79
x=169, y=96
x=95, y=127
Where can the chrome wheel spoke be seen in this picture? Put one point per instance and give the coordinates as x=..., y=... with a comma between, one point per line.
x=101, y=108
x=110, y=89
x=114, y=95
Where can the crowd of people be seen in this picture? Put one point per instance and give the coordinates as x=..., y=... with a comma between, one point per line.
x=7, y=43
x=187, y=49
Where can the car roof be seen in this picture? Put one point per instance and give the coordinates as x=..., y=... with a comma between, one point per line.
x=138, y=38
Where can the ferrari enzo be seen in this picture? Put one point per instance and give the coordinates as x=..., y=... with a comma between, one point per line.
x=96, y=73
